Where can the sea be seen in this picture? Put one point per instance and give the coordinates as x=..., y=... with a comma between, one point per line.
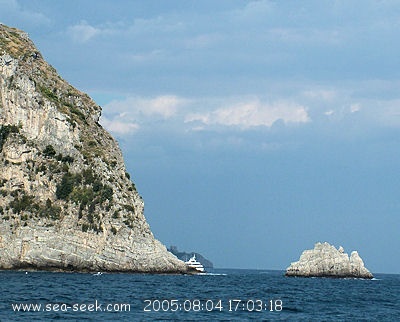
x=219, y=295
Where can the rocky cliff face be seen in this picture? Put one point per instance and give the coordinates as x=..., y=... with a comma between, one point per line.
x=327, y=261
x=66, y=200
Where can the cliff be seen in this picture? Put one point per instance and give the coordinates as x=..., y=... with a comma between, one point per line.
x=327, y=261
x=67, y=201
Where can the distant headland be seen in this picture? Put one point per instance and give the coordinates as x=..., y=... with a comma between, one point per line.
x=184, y=256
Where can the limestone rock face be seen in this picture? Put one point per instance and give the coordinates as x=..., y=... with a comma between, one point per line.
x=327, y=261
x=66, y=200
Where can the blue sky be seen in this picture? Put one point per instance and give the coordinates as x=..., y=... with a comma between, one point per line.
x=253, y=129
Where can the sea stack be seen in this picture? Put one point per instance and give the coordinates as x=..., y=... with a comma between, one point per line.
x=327, y=261
x=67, y=201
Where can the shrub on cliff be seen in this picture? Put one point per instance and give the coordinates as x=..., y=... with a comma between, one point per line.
x=5, y=131
x=67, y=184
x=22, y=204
x=49, y=151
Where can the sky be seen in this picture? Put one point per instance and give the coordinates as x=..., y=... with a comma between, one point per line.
x=252, y=129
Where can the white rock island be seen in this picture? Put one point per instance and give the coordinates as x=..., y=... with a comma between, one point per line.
x=327, y=261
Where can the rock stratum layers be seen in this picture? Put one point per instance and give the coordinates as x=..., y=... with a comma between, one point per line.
x=66, y=200
x=327, y=261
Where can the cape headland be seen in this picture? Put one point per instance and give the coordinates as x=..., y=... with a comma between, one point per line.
x=67, y=201
x=327, y=261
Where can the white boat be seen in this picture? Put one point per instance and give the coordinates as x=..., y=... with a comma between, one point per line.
x=193, y=263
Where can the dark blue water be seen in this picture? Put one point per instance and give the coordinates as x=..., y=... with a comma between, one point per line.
x=229, y=295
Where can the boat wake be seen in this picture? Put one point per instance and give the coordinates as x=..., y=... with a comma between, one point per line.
x=213, y=274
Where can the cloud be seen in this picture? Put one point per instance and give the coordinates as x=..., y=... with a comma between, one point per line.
x=127, y=116
x=15, y=14
x=252, y=114
x=320, y=94
x=120, y=126
x=330, y=112
x=158, y=24
x=162, y=106
x=82, y=32
x=175, y=113
x=166, y=106
x=326, y=109
x=355, y=108
x=239, y=49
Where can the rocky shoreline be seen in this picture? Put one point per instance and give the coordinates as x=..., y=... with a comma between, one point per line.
x=327, y=261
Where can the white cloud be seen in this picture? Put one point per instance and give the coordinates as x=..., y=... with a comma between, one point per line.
x=320, y=94
x=128, y=115
x=253, y=113
x=157, y=24
x=82, y=32
x=119, y=126
x=15, y=14
x=182, y=115
x=355, y=107
x=343, y=110
x=330, y=112
x=164, y=106
x=195, y=114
